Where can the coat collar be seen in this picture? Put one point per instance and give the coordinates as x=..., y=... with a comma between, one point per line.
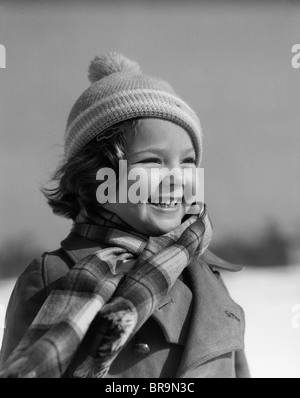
x=77, y=247
x=212, y=259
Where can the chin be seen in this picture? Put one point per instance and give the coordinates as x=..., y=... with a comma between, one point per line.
x=159, y=226
x=163, y=228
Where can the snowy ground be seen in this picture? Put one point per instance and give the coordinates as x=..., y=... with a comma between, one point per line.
x=271, y=300
x=6, y=287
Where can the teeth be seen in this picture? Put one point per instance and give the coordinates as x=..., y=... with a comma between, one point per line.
x=166, y=204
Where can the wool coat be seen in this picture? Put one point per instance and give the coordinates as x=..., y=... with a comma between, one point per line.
x=196, y=332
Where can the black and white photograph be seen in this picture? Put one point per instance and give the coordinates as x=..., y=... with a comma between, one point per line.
x=149, y=191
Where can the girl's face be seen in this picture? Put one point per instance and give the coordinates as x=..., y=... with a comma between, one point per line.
x=156, y=143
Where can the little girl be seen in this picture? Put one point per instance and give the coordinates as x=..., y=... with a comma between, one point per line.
x=133, y=291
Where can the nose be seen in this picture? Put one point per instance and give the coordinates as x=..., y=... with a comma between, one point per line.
x=173, y=183
x=174, y=179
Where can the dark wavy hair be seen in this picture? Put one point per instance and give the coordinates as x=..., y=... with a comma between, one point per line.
x=75, y=179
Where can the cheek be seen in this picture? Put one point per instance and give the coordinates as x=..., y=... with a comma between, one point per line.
x=139, y=184
x=194, y=185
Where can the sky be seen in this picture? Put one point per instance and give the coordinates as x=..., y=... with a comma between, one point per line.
x=230, y=62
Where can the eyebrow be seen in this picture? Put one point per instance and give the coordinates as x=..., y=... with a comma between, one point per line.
x=160, y=151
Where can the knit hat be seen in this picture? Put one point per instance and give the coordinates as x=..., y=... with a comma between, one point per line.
x=120, y=91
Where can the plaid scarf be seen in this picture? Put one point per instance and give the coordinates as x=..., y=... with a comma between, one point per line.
x=95, y=291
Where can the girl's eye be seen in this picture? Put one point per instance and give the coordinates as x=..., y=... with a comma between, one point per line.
x=150, y=160
x=189, y=160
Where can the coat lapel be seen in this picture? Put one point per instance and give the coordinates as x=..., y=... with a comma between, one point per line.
x=217, y=322
x=174, y=313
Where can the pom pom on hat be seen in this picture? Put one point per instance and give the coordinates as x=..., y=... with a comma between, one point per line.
x=109, y=63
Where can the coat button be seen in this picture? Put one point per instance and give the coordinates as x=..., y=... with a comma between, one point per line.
x=141, y=348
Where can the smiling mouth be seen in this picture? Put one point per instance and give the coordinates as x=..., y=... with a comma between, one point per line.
x=165, y=204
